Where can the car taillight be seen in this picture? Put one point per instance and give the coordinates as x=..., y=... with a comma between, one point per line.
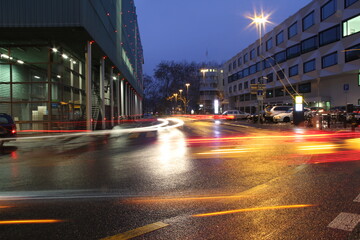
x=230, y=117
x=13, y=131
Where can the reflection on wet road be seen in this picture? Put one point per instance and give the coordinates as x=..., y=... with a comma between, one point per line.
x=240, y=179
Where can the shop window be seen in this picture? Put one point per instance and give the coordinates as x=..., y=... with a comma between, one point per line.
x=351, y=26
x=305, y=88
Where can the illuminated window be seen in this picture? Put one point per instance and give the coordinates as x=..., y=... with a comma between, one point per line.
x=359, y=79
x=351, y=26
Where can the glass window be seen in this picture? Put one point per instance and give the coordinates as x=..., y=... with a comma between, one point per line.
x=252, y=81
x=292, y=30
x=252, y=54
x=279, y=38
x=351, y=54
x=269, y=44
x=293, y=51
x=279, y=92
x=294, y=70
x=305, y=88
x=246, y=72
x=351, y=26
x=258, y=66
x=328, y=9
x=269, y=93
x=246, y=58
x=230, y=90
x=269, y=77
x=280, y=57
x=268, y=63
x=349, y=2
x=252, y=69
x=329, y=35
x=240, y=86
x=234, y=88
x=309, y=66
x=234, y=64
x=258, y=50
x=280, y=74
x=4, y=73
x=239, y=61
x=247, y=97
x=329, y=60
x=229, y=67
x=246, y=85
x=309, y=44
x=308, y=21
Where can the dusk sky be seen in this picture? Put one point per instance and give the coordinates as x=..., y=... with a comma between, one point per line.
x=185, y=29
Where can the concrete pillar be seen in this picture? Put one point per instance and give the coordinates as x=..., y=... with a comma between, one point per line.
x=102, y=93
x=117, y=86
x=112, y=96
x=122, y=92
x=88, y=88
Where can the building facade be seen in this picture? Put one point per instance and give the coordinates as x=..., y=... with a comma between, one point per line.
x=211, y=95
x=70, y=64
x=314, y=53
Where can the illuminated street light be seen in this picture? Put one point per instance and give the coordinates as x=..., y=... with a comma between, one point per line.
x=260, y=21
x=187, y=96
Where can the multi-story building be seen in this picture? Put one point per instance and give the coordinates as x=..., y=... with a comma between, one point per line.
x=314, y=53
x=69, y=61
x=211, y=95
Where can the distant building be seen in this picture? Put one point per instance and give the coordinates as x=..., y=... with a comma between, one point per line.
x=314, y=53
x=211, y=95
x=63, y=62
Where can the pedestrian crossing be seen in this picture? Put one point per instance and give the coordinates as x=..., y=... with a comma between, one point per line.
x=346, y=221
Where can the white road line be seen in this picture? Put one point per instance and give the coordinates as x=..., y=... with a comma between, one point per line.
x=357, y=199
x=345, y=221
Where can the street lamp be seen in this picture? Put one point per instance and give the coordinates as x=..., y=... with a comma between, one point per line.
x=187, y=96
x=175, y=95
x=260, y=21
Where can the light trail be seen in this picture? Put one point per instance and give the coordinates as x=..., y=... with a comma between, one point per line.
x=161, y=126
x=252, y=210
x=31, y=221
x=183, y=199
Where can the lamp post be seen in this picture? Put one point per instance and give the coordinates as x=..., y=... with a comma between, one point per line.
x=187, y=96
x=175, y=95
x=181, y=97
x=260, y=22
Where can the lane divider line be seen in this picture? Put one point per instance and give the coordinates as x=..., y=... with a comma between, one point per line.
x=137, y=231
x=357, y=199
x=345, y=221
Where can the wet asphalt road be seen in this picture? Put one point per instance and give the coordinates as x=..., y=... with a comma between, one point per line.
x=253, y=184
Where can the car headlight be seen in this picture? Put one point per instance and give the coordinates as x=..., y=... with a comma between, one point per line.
x=277, y=117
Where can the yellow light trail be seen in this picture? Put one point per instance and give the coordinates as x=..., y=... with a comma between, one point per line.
x=318, y=147
x=31, y=221
x=252, y=210
x=186, y=199
x=5, y=207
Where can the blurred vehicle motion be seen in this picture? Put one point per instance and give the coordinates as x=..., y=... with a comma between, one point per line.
x=234, y=115
x=7, y=128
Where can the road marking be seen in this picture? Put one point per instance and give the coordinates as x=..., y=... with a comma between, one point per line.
x=357, y=199
x=137, y=231
x=134, y=135
x=252, y=210
x=150, y=134
x=345, y=221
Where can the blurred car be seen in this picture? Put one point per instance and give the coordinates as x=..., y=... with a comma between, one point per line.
x=288, y=116
x=271, y=111
x=7, y=128
x=317, y=109
x=234, y=115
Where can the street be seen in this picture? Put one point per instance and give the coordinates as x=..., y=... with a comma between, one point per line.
x=203, y=180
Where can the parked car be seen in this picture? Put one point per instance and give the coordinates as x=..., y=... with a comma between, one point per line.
x=271, y=111
x=234, y=115
x=7, y=128
x=288, y=116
